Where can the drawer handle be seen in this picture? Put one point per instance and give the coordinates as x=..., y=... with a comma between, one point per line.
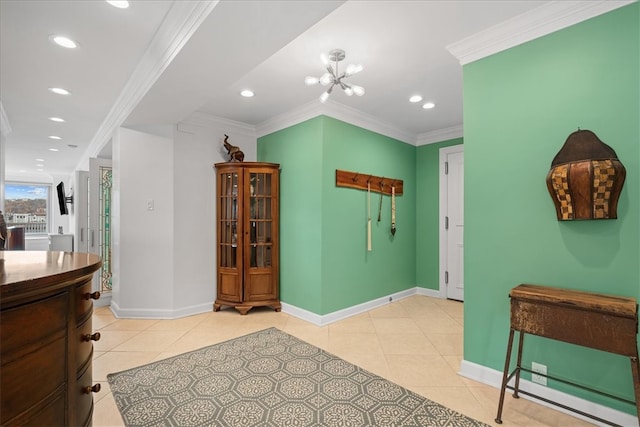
x=91, y=337
x=94, y=389
x=95, y=295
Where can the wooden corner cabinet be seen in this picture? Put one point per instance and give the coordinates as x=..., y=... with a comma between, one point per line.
x=247, y=232
x=46, y=338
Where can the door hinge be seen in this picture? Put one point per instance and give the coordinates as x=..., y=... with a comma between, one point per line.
x=446, y=277
x=446, y=168
x=446, y=222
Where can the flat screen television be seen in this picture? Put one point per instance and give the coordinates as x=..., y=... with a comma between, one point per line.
x=62, y=199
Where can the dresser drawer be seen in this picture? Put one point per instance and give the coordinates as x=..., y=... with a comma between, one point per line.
x=47, y=373
x=85, y=345
x=84, y=397
x=84, y=301
x=26, y=327
x=50, y=413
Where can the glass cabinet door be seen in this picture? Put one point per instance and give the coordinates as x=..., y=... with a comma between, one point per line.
x=228, y=220
x=260, y=220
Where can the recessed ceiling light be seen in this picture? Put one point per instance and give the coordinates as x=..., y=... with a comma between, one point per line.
x=415, y=98
x=40, y=165
x=63, y=41
x=54, y=137
x=39, y=160
x=247, y=93
x=53, y=149
x=59, y=91
x=56, y=119
x=120, y=4
x=428, y=105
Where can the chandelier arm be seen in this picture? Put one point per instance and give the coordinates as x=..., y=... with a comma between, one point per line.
x=330, y=70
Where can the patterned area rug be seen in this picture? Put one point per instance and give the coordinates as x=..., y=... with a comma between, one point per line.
x=269, y=378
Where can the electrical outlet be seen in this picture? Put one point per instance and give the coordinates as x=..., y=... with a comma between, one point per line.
x=540, y=369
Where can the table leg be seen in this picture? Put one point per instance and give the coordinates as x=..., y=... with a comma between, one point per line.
x=518, y=366
x=505, y=374
x=635, y=369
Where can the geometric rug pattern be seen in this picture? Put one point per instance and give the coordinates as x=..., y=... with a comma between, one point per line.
x=269, y=378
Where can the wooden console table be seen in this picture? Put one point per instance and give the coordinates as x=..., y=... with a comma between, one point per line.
x=603, y=322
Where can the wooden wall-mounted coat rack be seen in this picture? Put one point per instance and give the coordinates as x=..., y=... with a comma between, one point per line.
x=379, y=184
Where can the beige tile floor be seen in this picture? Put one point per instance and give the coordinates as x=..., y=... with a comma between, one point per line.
x=415, y=342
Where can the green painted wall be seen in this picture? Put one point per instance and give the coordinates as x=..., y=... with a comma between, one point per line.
x=519, y=107
x=352, y=275
x=298, y=150
x=325, y=266
x=427, y=213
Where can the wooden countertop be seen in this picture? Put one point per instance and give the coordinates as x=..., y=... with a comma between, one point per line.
x=25, y=271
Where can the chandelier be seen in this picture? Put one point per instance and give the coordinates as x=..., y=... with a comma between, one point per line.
x=333, y=77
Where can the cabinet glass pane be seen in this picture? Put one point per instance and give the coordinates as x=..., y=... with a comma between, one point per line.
x=228, y=219
x=260, y=255
x=260, y=220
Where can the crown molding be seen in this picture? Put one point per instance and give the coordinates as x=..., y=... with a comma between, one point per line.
x=543, y=20
x=206, y=120
x=176, y=29
x=293, y=117
x=337, y=111
x=5, y=126
x=440, y=135
x=369, y=122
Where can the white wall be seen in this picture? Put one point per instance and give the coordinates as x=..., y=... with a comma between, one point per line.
x=164, y=261
x=142, y=245
x=198, y=146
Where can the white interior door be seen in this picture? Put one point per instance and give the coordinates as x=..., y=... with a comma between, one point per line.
x=81, y=211
x=452, y=222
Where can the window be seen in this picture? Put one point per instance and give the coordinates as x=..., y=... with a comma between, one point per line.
x=28, y=206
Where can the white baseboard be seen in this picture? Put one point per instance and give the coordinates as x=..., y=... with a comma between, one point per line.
x=326, y=319
x=316, y=319
x=493, y=378
x=104, y=300
x=144, y=313
x=434, y=293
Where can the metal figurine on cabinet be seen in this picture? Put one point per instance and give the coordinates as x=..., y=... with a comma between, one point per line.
x=234, y=152
x=585, y=179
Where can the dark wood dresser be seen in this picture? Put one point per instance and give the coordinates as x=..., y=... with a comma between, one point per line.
x=46, y=338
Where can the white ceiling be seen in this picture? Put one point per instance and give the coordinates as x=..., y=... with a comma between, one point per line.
x=121, y=75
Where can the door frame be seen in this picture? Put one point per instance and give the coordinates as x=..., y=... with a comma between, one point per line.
x=442, y=233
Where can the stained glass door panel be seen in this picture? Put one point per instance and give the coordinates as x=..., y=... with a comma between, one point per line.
x=106, y=184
